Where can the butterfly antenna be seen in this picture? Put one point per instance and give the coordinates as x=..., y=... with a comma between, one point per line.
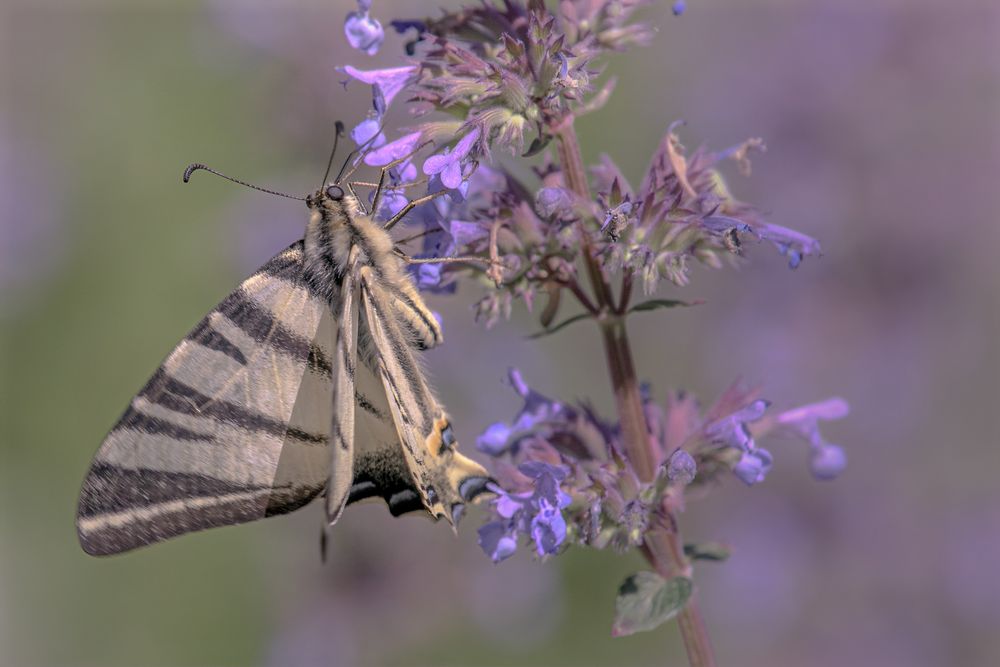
x=329, y=163
x=197, y=165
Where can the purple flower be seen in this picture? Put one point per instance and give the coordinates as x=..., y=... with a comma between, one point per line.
x=498, y=540
x=368, y=130
x=392, y=203
x=826, y=460
x=463, y=233
x=678, y=7
x=804, y=418
x=537, y=409
x=789, y=242
x=753, y=466
x=732, y=430
x=536, y=513
x=385, y=83
x=362, y=31
x=393, y=150
x=449, y=163
x=428, y=276
x=493, y=440
x=547, y=478
x=681, y=467
x=402, y=25
x=548, y=528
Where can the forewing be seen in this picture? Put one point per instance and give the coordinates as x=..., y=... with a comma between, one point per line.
x=232, y=427
x=345, y=363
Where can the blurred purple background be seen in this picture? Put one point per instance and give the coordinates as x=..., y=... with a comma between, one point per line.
x=883, y=126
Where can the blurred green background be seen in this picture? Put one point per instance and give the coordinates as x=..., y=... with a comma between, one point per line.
x=882, y=125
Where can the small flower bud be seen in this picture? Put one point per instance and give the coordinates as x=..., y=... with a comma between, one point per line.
x=827, y=461
x=553, y=203
x=681, y=468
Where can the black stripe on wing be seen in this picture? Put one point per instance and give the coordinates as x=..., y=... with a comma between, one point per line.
x=174, y=395
x=113, y=488
x=163, y=470
x=138, y=421
x=264, y=329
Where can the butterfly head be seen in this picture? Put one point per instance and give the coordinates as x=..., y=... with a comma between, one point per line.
x=330, y=196
x=450, y=480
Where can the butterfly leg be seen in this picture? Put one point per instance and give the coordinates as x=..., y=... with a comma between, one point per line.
x=354, y=193
x=391, y=222
x=447, y=260
x=380, y=187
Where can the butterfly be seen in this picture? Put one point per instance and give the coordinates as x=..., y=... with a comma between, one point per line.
x=301, y=383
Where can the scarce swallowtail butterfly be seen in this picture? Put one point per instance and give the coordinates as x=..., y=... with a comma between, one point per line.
x=302, y=383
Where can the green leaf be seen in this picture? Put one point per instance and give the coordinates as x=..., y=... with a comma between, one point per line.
x=537, y=145
x=562, y=325
x=552, y=307
x=707, y=551
x=646, y=600
x=653, y=304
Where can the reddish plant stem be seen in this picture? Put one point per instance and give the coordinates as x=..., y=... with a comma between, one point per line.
x=663, y=546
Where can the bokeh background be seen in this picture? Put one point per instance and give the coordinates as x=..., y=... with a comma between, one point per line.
x=883, y=126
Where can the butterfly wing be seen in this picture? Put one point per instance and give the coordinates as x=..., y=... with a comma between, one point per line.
x=343, y=422
x=380, y=468
x=422, y=460
x=233, y=426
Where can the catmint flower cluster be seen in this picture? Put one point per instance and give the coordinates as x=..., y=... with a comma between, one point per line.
x=496, y=82
x=608, y=504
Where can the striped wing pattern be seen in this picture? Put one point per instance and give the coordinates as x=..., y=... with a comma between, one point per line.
x=343, y=427
x=233, y=426
x=380, y=468
x=410, y=401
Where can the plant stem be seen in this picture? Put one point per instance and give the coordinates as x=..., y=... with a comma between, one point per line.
x=663, y=545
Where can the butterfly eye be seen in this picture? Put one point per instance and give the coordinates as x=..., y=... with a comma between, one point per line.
x=335, y=192
x=432, y=495
x=447, y=438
